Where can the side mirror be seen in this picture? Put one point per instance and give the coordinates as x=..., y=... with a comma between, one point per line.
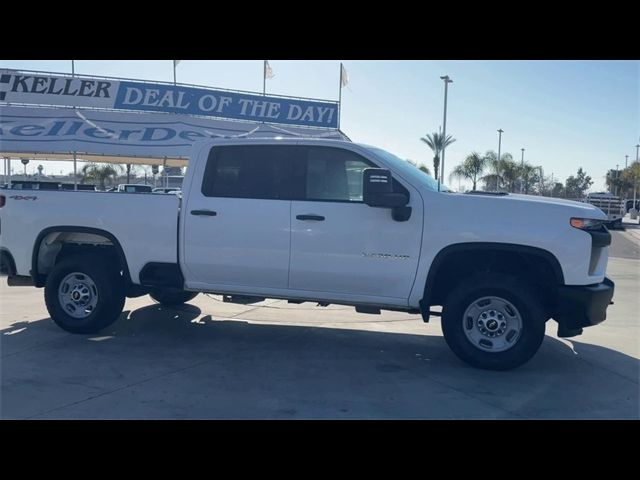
x=377, y=189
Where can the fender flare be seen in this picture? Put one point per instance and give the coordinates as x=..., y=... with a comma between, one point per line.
x=456, y=248
x=37, y=278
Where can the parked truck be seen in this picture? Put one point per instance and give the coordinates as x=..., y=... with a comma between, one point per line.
x=325, y=221
x=611, y=205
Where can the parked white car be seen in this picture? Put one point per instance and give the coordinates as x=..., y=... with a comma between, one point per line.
x=134, y=188
x=323, y=221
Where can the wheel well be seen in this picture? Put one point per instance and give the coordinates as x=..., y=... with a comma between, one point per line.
x=57, y=243
x=453, y=264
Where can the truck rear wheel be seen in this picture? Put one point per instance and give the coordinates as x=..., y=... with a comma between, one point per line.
x=170, y=297
x=84, y=294
x=493, y=321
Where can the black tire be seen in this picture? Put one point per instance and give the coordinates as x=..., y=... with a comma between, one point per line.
x=519, y=294
x=110, y=293
x=171, y=297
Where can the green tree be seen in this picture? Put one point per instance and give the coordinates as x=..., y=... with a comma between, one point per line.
x=422, y=166
x=496, y=179
x=557, y=190
x=100, y=173
x=437, y=142
x=529, y=176
x=631, y=176
x=622, y=181
x=471, y=168
x=510, y=174
x=425, y=169
x=576, y=187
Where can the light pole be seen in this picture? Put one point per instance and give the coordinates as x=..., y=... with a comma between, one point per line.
x=635, y=180
x=25, y=161
x=626, y=161
x=616, y=184
x=500, y=132
x=521, y=168
x=447, y=81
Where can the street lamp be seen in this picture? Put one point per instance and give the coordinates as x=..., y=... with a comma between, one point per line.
x=521, y=167
x=25, y=161
x=500, y=132
x=447, y=81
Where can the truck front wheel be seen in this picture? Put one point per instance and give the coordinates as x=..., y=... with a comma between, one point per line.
x=493, y=321
x=84, y=294
x=170, y=297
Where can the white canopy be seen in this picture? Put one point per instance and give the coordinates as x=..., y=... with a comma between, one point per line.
x=124, y=137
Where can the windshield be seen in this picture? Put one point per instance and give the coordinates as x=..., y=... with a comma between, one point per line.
x=406, y=168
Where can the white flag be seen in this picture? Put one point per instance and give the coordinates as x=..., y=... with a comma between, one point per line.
x=344, y=77
x=175, y=63
x=268, y=72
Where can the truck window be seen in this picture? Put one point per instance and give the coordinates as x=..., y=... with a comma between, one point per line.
x=249, y=171
x=334, y=174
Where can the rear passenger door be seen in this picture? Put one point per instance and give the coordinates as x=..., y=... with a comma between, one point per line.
x=236, y=234
x=342, y=248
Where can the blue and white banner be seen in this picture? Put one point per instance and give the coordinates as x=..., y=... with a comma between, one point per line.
x=18, y=87
x=135, y=134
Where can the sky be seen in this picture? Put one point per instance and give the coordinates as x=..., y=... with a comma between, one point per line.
x=565, y=114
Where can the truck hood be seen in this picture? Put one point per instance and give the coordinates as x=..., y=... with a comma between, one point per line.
x=535, y=203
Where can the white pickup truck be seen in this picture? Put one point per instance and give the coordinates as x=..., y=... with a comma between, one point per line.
x=318, y=221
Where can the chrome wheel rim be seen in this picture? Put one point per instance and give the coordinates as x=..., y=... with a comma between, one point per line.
x=78, y=295
x=492, y=324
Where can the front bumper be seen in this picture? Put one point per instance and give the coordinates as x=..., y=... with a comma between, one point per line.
x=582, y=306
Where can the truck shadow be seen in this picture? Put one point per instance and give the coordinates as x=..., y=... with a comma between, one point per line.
x=174, y=363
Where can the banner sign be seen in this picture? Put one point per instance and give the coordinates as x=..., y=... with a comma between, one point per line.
x=64, y=130
x=46, y=89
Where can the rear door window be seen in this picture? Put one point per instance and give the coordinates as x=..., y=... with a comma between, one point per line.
x=250, y=171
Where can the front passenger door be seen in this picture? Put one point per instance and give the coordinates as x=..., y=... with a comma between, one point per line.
x=341, y=247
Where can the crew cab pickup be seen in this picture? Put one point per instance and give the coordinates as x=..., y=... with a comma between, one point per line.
x=312, y=220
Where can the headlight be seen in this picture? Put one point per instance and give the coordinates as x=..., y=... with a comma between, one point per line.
x=586, y=223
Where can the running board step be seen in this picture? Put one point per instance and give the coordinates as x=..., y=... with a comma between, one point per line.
x=20, y=281
x=367, y=309
x=242, y=299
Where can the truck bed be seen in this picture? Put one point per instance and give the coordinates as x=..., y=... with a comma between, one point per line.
x=145, y=225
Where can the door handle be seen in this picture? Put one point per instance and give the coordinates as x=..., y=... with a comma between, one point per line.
x=209, y=213
x=318, y=218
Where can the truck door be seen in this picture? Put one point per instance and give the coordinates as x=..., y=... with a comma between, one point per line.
x=236, y=233
x=342, y=247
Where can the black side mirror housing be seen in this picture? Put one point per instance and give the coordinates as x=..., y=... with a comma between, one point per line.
x=377, y=189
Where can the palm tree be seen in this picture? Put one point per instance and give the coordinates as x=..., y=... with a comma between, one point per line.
x=100, y=173
x=510, y=174
x=496, y=179
x=437, y=142
x=130, y=168
x=471, y=168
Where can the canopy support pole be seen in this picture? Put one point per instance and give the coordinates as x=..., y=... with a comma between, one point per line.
x=75, y=172
x=164, y=171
